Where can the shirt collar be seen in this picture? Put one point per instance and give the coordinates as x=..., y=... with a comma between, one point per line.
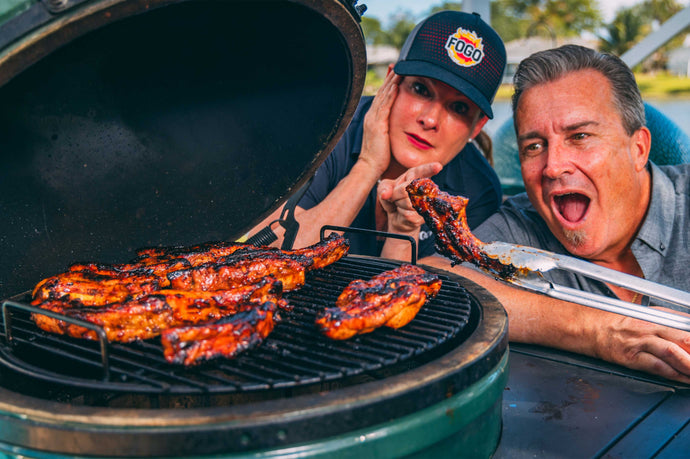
x=657, y=227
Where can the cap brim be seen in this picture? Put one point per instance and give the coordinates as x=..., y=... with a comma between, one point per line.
x=426, y=69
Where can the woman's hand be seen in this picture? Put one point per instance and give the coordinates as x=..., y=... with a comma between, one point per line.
x=376, y=149
x=402, y=216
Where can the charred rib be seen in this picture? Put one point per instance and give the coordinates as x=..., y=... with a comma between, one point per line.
x=392, y=298
x=446, y=215
x=226, y=338
x=148, y=316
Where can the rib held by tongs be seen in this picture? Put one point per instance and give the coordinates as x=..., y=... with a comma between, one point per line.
x=520, y=265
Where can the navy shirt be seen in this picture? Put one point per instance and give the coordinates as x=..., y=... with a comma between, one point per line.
x=469, y=174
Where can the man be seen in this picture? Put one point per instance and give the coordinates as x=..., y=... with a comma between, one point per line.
x=592, y=193
x=434, y=100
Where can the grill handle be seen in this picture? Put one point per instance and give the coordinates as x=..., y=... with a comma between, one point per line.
x=410, y=239
x=102, y=338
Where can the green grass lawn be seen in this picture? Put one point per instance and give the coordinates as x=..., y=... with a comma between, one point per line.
x=652, y=86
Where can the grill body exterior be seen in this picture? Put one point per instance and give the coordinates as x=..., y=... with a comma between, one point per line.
x=446, y=403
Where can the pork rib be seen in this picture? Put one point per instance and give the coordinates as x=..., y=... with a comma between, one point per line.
x=92, y=288
x=316, y=256
x=147, y=316
x=227, y=337
x=235, y=270
x=392, y=298
x=446, y=215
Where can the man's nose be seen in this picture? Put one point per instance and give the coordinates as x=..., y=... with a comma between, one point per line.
x=558, y=160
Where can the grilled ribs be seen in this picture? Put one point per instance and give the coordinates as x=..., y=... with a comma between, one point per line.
x=165, y=289
x=392, y=298
x=227, y=337
x=100, y=284
x=147, y=316
x=446, y=216
x=93, y=288
x=248, y=265
x=319, y=255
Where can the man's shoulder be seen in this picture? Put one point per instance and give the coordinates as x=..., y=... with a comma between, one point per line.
x=679, y=174
x=519, y=202
x=518, y=222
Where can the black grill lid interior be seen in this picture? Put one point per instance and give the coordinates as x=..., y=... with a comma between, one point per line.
x=158, y=123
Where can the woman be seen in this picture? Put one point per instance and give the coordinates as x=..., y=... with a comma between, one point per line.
x=434, y=100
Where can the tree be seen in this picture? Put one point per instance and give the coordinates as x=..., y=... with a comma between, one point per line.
x=630, y=25
x=373, y=31
x=516, y=18
x=626, y=29
x=456, y=6
x=401, y=29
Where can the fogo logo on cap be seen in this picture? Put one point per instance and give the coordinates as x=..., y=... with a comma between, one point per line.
x=465, y=48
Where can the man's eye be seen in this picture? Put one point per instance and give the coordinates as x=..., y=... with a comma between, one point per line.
x=579, y=136
x=532, y=149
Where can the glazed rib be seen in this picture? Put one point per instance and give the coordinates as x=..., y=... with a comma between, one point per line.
x=226, y=338
x=195, y=255
x=93, y=289
x=316, y=256
x=193, y=287
x=233, y=271
x=148, y=316
x=446, y=215
x=392, y=298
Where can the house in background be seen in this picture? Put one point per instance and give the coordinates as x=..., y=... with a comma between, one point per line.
x=679, y=62
x=379, y=57
x=519, y=49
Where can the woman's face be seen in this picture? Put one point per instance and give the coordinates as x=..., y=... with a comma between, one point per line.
x=431, y=121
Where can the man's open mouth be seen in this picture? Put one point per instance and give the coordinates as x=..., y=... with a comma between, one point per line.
x=572, y=206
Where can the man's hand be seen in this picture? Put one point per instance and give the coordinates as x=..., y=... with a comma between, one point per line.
x=645, y=346
x=539, y=319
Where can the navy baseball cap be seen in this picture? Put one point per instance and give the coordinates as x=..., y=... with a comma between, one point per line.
x=459, y=49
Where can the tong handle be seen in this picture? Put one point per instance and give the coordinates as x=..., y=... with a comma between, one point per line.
x=628, y=281
x=593, y=300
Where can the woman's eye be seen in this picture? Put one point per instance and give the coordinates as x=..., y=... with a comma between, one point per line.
x=420, y=88
x=461, y=108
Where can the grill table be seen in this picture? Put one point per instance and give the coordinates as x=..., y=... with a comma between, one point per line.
x=558, y=404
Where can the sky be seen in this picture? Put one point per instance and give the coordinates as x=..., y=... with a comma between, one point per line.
x=383, y=9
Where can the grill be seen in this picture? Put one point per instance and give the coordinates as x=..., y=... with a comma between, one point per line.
x=295, y=353
x=137, y=123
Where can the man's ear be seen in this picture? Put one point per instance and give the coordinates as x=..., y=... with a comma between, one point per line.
x=641, y=145
x=390, y=68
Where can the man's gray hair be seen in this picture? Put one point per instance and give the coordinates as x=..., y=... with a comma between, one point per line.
x=552, y=64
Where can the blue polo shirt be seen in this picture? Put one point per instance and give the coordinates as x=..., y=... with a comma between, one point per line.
x=469, y=174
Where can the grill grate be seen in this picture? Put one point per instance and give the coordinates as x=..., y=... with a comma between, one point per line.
x=294, y=354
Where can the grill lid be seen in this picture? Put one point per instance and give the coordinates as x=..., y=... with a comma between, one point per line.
x=136, y=123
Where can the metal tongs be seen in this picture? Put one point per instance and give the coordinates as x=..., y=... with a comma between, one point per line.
x=530, y=262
